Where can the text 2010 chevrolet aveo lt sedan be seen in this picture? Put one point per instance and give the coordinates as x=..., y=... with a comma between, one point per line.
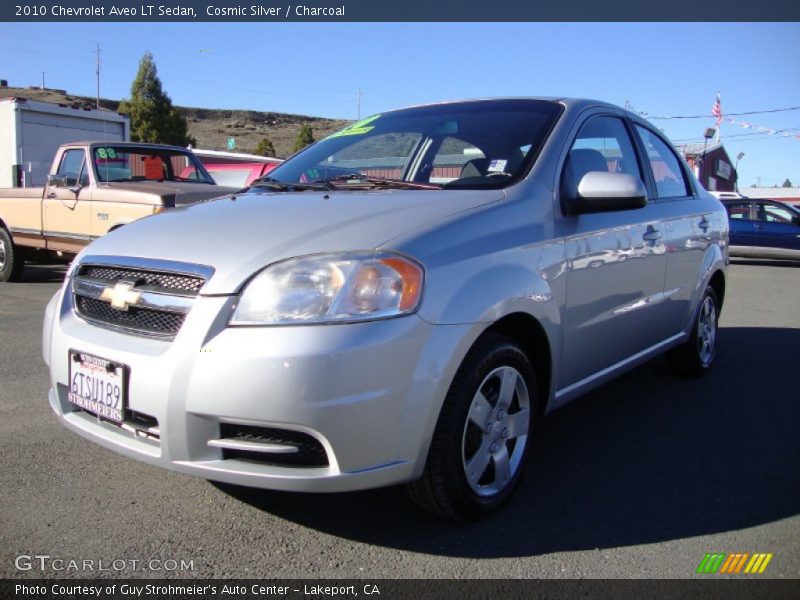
x=399, y=303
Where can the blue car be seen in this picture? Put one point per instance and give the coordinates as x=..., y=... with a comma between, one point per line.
x=761, y=228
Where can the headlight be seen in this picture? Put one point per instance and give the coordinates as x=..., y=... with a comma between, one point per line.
x=331, y=289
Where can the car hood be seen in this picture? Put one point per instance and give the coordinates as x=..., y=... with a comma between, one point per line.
x=184, y=192
x=239, y=235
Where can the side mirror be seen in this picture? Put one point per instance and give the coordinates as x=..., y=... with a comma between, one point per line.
x=61, y=181
x=600, y=191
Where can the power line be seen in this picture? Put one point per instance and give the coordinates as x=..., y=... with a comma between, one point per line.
x=780, y=133
x=739, y=114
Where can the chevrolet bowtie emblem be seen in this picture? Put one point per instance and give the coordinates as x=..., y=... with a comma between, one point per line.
x=122, y=295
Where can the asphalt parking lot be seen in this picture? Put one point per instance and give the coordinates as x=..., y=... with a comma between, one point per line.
x=637, y=479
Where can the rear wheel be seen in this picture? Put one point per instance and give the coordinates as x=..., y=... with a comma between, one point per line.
x=12, y=258
x=481, y=440
x=694, y=357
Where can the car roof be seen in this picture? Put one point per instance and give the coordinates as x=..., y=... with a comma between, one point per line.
x=128, y=144
x=746, y=199
x=573, y=103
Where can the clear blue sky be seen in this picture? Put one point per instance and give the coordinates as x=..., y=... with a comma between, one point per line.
x=315, y=69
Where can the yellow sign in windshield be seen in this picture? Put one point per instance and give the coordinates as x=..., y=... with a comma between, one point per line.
x=357, y=128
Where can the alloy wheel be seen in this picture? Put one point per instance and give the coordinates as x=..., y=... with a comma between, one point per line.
x=496, y=431
x=707, y=331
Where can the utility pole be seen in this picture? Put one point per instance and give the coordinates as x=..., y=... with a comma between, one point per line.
x=358, y=104
x=97, y=72
x=42, y=79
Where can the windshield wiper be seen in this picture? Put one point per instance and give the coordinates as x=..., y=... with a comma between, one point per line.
x=358, y=180
x=280, y=186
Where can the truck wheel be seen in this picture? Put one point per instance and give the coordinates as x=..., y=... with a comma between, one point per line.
x=694, y=357
x=481, y=441
x=12, y=258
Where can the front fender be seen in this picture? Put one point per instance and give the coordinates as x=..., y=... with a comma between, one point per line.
x=483, y=297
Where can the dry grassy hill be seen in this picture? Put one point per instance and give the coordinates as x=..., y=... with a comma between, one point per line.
x=212, y=127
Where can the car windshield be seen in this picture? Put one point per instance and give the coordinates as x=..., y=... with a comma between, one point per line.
x=146, y=163
x=466, y=145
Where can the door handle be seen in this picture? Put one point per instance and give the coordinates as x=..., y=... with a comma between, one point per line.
x=704, y=224
x=758, y=227
x=652, y=234
x=51, y=195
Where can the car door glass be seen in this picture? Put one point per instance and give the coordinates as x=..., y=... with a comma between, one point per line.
x=669, y=176
x=738, y=210
x=602, y=144
x=772, y=213
x=71, y=166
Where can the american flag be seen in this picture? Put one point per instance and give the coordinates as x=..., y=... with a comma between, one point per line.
x=716, y=110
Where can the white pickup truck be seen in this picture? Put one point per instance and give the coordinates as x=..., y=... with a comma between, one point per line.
x=92, y=188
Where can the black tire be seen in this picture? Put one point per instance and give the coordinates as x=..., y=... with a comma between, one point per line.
x=12, y=258
x=502, y=440
x=695, y=357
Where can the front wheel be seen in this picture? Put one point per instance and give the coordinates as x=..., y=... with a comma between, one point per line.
x=694, y=357
x=481, y=441
x=12, y=258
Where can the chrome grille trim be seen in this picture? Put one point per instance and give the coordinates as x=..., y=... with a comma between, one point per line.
x=159, y=294
x=149, y=299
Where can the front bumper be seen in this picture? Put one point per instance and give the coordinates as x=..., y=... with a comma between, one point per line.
x=369, y=393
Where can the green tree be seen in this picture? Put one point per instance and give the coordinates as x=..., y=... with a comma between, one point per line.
x=305, y=137
x=787, y=183
x=153, y=118
x=265, y=148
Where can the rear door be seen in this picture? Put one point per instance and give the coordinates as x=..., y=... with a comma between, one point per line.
x=741, y=222
x=690, y=225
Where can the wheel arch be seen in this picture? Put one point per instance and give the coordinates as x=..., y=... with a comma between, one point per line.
x=717, y=283
x=530, y=335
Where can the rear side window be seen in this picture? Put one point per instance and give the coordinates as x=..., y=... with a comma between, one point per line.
x=738, y=210
x=665, y=164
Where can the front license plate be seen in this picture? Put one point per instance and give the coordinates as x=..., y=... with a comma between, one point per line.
x=97, y=385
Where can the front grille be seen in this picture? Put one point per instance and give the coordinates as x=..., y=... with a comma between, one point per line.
x=310, y=452
x=150, y=300
x=168, y=282
x=138, y=319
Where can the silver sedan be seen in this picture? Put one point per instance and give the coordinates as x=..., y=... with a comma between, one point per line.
x=401, y=302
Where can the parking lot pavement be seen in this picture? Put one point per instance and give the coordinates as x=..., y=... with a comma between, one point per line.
x=637, y=479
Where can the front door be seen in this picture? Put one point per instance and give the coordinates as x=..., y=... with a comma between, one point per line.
x=615, y=261
x=776, y=226
x=67, y=203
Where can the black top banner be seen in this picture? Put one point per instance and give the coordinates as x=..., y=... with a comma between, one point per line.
x=399, y=10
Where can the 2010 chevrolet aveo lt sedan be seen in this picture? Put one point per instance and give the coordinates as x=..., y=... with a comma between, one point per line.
x=400, y=302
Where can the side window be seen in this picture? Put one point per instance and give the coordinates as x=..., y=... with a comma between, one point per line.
x=772, y=213
x=670, y=179
x=603, y=144
x=71, y=164
x=738, y=210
